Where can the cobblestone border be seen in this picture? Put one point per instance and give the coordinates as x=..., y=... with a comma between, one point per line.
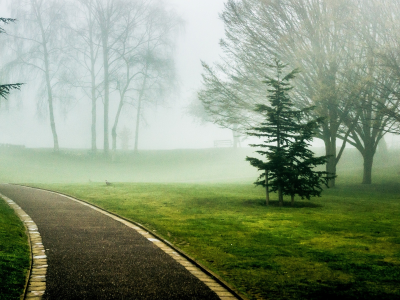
x=35, y=285
x=221, y=288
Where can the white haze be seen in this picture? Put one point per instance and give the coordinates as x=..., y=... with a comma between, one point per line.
x=167, y=126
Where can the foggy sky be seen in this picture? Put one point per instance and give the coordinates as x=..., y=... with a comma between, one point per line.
x=167, y=126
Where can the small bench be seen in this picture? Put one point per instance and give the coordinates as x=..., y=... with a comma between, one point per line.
x=223, y=143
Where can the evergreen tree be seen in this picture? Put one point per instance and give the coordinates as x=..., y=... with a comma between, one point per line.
x=6, y=88
x=289, y=168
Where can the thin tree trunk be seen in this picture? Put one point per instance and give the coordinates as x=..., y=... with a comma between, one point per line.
x=94, y=99
x=106, y=95
x=114, y=129
x=94, y=119
x=266, y=188
x=48, y=84
x=137, y=124
x=139, y=109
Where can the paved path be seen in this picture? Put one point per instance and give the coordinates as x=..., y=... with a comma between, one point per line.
x=92, y=256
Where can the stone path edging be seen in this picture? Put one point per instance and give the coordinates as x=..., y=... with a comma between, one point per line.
x=35, y=284
x=216, y=284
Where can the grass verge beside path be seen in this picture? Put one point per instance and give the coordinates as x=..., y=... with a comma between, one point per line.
x=345, y=245
x=14, y=254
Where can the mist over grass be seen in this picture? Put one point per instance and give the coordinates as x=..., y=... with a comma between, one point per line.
x=219, y=165
x=79, y=166
x=344, y=245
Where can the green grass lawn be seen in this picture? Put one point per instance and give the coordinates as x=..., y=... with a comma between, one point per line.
x=14, y=254
x=345, y=245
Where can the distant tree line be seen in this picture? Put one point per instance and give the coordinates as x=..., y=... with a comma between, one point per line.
x=118, y=52
x=349, y=61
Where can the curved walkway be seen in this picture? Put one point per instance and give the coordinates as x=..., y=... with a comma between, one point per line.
x=93, y=256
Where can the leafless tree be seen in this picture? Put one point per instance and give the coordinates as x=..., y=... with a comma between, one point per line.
x=317, y=37
x=84, y=52
x=39, y=46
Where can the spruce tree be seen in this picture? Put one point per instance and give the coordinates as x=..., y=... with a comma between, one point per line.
x=289, y=165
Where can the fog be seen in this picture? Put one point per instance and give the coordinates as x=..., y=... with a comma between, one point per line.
x=166, y=126
x=183, y=72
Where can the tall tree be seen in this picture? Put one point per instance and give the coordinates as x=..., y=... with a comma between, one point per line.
x=367, y=122
x=84, y=45
x=107, y=14
x=144, y=71
x=311, y=35
x=289, y=168
x=38, y=47
x=129, y=49
x=157, y=79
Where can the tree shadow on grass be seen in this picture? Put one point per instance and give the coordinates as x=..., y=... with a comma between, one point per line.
x=286, y=204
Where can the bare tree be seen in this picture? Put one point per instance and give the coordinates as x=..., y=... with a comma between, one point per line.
x=38, y=46
x=129, y=49
x=157, y=78
x=369, y=120
x=84, y=55
x=107, y=13
x=313, y=36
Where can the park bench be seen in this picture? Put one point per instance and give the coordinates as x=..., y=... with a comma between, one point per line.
x=223, y=143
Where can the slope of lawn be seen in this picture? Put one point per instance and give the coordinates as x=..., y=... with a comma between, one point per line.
x=14, y=254
x=345, y=245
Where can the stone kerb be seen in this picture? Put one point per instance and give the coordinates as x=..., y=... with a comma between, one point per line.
x=36, y=278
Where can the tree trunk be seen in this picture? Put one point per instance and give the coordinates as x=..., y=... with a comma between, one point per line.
x=106, y=97
x=368, y=156
x=94, y=120
x=137, y=125
x=330, y=151
x=280, y=196
x=49, y=87
x=94, y=99
x=139, y=109
x=266, y=188
x=292, y=199
x=114, y=129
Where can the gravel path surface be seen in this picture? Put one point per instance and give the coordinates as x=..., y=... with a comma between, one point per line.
x=91, y=256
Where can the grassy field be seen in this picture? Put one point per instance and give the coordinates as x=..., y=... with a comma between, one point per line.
x=14, y=254
x=344, y=245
